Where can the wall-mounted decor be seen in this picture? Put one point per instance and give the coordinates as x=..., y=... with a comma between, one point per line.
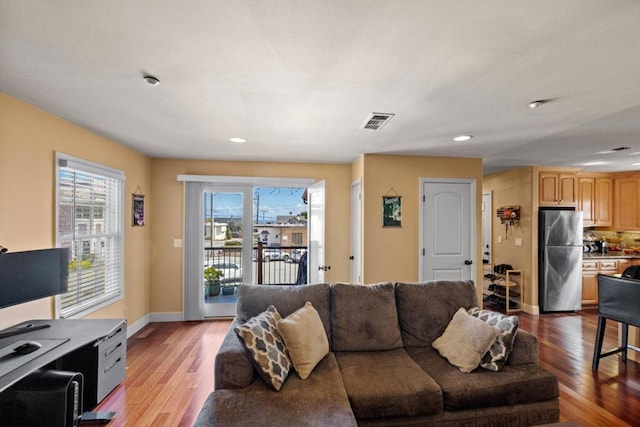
x=509, y=216
x=392, y=210
x=137, y=208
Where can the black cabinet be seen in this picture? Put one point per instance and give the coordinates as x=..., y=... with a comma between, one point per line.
x=102, y=364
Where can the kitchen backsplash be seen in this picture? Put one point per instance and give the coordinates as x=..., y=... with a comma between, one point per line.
x=616, y=241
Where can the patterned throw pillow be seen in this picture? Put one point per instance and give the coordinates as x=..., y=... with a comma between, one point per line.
x=261, y=339
x=496, y=357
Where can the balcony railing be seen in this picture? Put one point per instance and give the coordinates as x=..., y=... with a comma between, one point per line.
x=270, y=265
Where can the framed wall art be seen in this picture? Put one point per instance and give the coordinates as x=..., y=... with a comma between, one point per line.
x=137, y=209
x=392, y=211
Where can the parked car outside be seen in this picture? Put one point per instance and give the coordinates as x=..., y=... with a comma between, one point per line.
x=231, y=272
x=273, y=254
x=296, y=254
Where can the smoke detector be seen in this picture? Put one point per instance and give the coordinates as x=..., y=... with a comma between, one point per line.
x=376, y=121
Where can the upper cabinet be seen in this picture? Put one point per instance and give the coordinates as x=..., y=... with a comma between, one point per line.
x=595, y=200
x=626, y=198
x=557, y=188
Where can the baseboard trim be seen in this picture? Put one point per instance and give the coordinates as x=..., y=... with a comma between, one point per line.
x=135, y=327
x=177, y=316
x=531, y=309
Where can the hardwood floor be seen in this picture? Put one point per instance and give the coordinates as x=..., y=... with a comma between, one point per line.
x=170, y=372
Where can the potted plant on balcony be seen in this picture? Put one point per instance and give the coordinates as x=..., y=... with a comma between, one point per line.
x=228, y=289
x=212, y=281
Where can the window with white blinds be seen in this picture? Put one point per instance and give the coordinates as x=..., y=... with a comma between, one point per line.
x=90, y=217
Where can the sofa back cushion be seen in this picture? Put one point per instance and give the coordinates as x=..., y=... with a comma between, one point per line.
x=364, y=317
x=425, y=309
x=254, y=299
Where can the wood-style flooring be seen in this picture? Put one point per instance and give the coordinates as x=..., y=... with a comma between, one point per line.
x=170, y=372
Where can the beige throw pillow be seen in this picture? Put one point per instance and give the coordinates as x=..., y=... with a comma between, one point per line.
x=465, y=341
x=305, y=339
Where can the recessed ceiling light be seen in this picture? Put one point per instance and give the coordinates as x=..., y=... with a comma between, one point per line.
x=238, y=140
x=635, y=164
x=536, y=104
x=596, y=163
x=153, y=81
x=461, y=138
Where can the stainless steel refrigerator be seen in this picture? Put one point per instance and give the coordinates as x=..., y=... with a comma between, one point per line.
x=559, y=260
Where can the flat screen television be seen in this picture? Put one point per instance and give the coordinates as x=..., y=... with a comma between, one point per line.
x=30, y=275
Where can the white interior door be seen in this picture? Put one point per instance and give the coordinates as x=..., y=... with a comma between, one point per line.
x=356, y=232
x=316, y=196
x=448, y=229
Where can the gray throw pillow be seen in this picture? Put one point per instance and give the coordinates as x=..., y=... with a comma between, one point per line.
x=496, y=357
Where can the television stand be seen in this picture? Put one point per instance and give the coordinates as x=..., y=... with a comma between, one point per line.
x=22, y=329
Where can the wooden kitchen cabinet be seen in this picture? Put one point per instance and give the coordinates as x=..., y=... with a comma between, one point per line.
x=589, y=282
x=591, y=267
x=595, y=200
x=557, y=188
x=626, y=199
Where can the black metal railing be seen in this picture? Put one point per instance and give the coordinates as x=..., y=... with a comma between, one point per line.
x=270, y=265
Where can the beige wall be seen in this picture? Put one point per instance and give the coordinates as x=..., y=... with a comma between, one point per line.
x=167, y=261
x=510, y=188
x=29, y=138
x=392, y=253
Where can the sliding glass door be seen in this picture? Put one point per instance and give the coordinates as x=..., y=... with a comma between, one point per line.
x=227, y=247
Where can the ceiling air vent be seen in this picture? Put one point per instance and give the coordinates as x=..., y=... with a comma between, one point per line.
x=375, y=121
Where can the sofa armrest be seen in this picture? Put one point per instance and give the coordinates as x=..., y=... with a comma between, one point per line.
x=233, y=369
x=525, y=349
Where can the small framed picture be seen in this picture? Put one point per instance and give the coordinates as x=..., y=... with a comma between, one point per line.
x=137, y=208
x=392, y=211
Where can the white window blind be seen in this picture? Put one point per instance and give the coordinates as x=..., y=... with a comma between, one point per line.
x=90, y=218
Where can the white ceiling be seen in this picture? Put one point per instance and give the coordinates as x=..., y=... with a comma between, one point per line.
x=297, y=78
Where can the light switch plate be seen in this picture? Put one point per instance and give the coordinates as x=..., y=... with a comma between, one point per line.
x=518, y=241
x=177, y=243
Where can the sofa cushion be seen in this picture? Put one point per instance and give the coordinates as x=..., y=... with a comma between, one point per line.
x=254, y=299
x=262, y=340
x=482, y=388
x=387, y=384
x=465, y=340
x=233, y=365
x=364, y=317
x=320, y=400
x=499, y=351
x=305, y=339
x=425, y=309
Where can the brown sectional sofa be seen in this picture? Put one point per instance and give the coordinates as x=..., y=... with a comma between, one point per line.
x=381, y=368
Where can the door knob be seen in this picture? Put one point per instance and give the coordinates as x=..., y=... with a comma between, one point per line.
x=468, y=262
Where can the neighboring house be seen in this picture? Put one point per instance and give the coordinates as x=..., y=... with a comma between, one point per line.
x=219, y=231
x=294, y=235
x=281, y=234
x=268, y=235
x=291, y=220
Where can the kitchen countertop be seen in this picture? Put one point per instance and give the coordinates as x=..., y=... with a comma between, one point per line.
x=610, y=254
